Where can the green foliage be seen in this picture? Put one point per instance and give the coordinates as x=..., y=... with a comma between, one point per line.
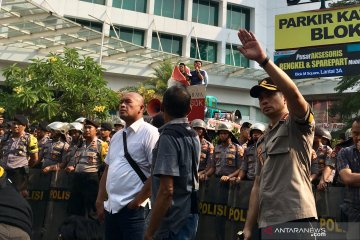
x=349, y=104
x=154, y=87
x=60, y=87
x=344, y=3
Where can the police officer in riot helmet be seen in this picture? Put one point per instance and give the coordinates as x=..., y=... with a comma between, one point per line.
x=248, y=166
x=227, y=156
x=55, y=150
x=207, y=148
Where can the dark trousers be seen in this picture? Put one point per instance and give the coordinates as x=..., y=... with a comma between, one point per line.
x=83, y=195
x=187, y=232
x=127, y=224
x=19, y=178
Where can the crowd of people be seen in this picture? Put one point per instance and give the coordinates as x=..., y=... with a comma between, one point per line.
x=121, y=167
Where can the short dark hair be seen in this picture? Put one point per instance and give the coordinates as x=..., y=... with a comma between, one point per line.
x=357, y=119
x=245, y=125
x=176, y=101
x=198, y=61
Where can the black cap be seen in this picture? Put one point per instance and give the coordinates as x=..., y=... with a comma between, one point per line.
x=21, y=119
x=43, y=126
x=92, y=122
x=106, y=126
x=264, y=85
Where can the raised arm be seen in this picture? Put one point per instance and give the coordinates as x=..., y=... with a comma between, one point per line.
x=252, y=50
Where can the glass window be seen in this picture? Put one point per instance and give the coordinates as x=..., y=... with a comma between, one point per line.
x=234, y=57
x=179, y=9
x=102, y=2
x=237, y=17
x=133, y=5
x=206, y=12
x=129, y=34
x=169, y=43
x=93, y=25
x=170, y=8
x=208, y=50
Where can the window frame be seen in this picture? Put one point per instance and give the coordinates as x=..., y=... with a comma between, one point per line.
x=209, y=4
x=167, y=36
x=242, y=11
x=241, y=58
x=135, y=32
x=201, y=42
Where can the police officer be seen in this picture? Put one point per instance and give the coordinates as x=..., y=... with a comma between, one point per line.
x=322, y=171
x=227, y=156
x=55, y=150
x=326, y=138
x=244, y=134
x=80, y=120
x=105, y=131
x=247, y=168
x=207, y=148
x=43, y=135
x=76, y=133
x=119, y=124
x=282, y=189
x=87, y=159
x=19, y=151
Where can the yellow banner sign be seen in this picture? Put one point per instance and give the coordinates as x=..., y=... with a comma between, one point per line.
x=317, y=28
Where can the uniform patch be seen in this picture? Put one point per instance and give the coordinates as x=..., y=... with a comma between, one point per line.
x=311, y=118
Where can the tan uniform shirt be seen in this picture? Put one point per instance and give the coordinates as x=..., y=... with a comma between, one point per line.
x=89, y=157
x=207, y=151
x=227, y=158
x=16, y=151
x=54, y=152
x=283, y=165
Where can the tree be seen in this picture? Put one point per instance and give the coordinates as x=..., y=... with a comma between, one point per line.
x=344, y=3
x=154, y=87
x=349, y=104
x=59, y=87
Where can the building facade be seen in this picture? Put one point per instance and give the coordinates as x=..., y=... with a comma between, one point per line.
x=190, y=29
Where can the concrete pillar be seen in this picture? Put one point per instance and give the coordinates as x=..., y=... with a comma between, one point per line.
x=222, y=13
x=221, y=52
x=188, y=10
x=150, y=6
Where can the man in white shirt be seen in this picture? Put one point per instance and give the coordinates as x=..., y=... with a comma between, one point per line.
x=124, y=212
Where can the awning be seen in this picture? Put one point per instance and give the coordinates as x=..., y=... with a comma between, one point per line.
x=24, y=24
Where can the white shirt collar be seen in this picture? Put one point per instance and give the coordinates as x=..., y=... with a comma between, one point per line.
x=136, y=125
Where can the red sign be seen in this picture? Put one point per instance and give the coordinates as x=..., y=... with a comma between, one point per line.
x=198, y=93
